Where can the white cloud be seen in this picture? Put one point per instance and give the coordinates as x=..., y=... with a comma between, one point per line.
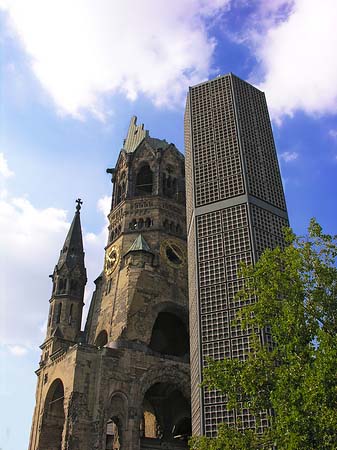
x=82, y=49
x=104, y=205
x=4, y=169
x=333, y=134
x=289, y=156
x=17, y=350
x=30, y=242
x=298, y=58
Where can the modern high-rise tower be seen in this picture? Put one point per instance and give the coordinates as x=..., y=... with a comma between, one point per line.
x=235, y=209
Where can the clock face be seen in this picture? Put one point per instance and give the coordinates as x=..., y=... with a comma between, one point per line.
x=111, y=260
x=173, y=253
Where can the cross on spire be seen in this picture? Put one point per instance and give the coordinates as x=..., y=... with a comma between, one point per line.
x=79, y=203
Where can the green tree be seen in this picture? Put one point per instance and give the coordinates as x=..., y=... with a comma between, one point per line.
x=295, y=375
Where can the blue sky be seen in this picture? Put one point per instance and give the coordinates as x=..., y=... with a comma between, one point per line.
x=73, y=73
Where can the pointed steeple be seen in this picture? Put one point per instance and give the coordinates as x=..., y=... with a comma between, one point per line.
x=139, y=244
x=72, y=252
x=69, y=279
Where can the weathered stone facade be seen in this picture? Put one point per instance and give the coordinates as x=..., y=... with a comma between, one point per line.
x=123, y=382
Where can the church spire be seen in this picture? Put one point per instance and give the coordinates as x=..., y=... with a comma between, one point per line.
x=72, y=253
x=69, y=279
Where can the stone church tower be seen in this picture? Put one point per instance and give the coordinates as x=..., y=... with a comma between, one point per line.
x=123, y=382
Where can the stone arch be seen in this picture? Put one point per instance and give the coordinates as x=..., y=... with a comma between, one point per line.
x=165, y=374
x=165, y=405
x=53, y=417
x=101, y=339
x=116, y=421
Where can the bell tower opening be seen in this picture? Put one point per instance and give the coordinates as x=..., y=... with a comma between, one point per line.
x=144, y=181
x=121, y=189
x=53, y=417
x=169, y=335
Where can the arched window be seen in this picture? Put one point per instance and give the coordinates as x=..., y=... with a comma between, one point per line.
x=144, y=181
x=102, y=339
x=53, y=418
x=169, y=335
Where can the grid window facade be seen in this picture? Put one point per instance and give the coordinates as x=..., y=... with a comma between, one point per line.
x=224, y=242
x=215, y=326
x=215, y=415
x=216, y=154
x=267, y=229
x=213, y=298
x=230, y=161
x=258, y=148
x=194, y=343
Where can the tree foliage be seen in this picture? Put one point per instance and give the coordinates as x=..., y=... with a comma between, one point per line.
x=291, y=369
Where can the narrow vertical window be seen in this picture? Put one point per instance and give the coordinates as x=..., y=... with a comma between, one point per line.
x=70, y=314
x=50, y=315
x=58, y=312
